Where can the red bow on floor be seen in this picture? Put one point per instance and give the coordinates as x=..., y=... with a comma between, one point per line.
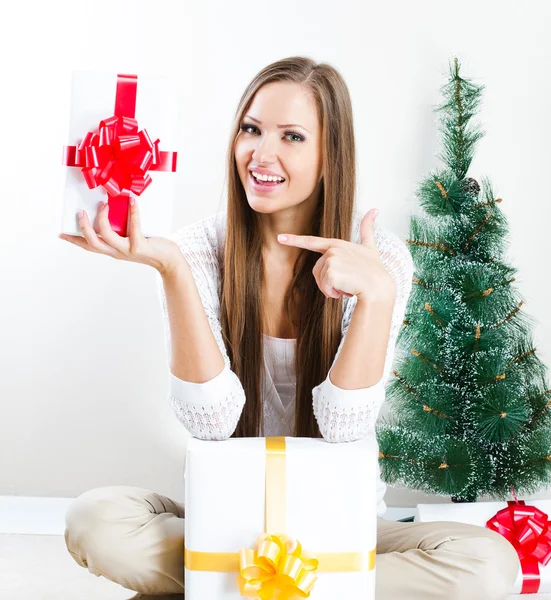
x=527, y=528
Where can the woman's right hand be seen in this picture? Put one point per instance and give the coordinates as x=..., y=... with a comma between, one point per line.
x=158, y=252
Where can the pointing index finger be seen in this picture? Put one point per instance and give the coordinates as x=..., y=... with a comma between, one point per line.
x=310, y=242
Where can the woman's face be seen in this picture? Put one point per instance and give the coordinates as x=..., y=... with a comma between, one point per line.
x=292, y=152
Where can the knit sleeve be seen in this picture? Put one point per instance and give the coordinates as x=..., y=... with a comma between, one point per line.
x=348, y=415
x=208, y=410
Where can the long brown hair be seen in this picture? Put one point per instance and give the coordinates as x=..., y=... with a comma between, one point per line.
x=318, y=319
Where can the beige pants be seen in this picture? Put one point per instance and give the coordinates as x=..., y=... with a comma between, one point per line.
x=135, y=537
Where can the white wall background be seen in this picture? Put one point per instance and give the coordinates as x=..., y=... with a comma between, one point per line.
x=83, y=369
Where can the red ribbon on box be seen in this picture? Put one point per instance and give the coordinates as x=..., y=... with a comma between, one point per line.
x=527, y=528
x=119, y=156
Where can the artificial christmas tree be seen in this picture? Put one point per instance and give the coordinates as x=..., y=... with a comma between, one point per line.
x=472, y=408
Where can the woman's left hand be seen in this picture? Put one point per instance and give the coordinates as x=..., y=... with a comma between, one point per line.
x=349, y=268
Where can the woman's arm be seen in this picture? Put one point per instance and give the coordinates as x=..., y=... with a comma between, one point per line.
x=205, y=394
x=349, y=412
x=195, y=356
x=361, y=361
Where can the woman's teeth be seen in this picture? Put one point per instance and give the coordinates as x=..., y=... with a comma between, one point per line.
x=267, y=178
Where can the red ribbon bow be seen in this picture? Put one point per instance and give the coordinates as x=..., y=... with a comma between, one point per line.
x=119, y=156
x=527, y=528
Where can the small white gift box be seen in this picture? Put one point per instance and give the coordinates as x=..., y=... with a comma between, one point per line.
x=531, y=529
x=244, y=495
x=121, y=144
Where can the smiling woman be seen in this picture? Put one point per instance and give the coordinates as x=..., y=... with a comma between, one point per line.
x=233, y=285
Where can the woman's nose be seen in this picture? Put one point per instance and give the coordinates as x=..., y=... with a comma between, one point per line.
x=264, y=150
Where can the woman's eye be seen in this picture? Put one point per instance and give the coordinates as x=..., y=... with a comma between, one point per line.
x=300, y=138
x=245, y=127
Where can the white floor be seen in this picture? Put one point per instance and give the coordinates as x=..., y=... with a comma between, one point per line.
x=37, y=566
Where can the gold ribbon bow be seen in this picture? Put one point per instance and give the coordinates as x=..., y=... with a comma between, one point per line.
x=278, y=568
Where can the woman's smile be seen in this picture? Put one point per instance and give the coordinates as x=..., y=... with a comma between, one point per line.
x=264, y=186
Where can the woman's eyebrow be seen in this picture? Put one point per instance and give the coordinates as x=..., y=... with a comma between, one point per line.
x=280, y=126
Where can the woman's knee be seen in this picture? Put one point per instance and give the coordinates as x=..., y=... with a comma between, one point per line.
x=504, y=566
x=130, y=535
x=93, y=505
x=495, y=565
x=92, y=510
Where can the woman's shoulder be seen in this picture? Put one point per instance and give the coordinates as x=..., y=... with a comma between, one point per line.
x=392, y=248
x=199, y=241
x=199, y=232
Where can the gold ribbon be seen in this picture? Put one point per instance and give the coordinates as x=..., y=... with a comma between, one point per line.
x=278, y=567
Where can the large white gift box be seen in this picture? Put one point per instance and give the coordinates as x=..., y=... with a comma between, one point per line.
x=479, y=513
x=122, y=130
x=242, y=493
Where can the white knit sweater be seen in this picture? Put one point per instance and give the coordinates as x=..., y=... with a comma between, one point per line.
x=211, y=410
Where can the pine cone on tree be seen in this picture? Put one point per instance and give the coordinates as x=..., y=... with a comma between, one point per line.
x=470, y=186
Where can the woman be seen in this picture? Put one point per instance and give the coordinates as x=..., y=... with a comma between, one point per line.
x=232, y=288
